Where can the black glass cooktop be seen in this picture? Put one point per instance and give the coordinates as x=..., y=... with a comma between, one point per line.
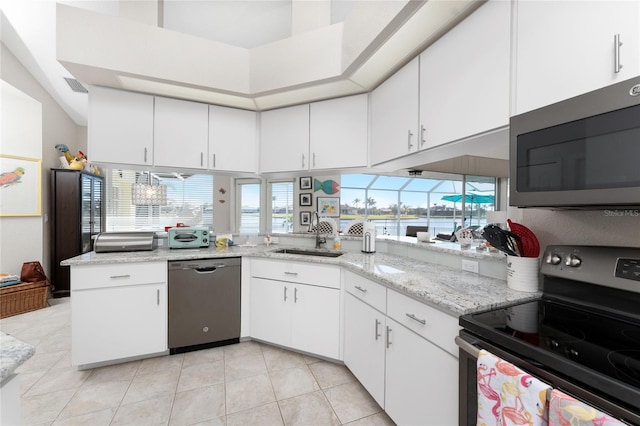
x=608, y=345
x=605, y=344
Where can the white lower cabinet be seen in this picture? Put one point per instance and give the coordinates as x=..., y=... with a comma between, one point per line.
x=291, y=313
x=421, y=380
x=412, y=377
x=118, y=311
x=364, y=345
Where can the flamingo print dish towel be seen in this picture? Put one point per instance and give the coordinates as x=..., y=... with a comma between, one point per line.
x=507, y=395
x=565, y=410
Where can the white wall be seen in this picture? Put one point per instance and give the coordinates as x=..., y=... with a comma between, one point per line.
x=21, y=135
x=54, y=127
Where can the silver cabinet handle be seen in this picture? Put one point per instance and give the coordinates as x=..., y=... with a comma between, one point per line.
x=377, y=324
x=364, y=290
x=115, y=277
x=201, y=159
x=145, y=155
x=409, y=144
x=413, y=317
x=303, y=161
x=617, y=43
x=214, y=161
x=388, y=337
x=285, y=293
x=314, y=159
x=422, y=139
x=295, y=295
x=158, y=297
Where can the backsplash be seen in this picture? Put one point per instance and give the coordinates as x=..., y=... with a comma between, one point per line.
x=611, y=227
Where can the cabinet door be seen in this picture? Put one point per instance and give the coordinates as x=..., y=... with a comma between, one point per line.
x=421, y=380
x=338, y=133
x=284, y=139
x=566, y=48
x=120, y=127
x=315, y=324
x=464, y=78
x=232, y=139
x=118, y=322
x=181, y=133
x=271, y=311
x=364, y=345
x=394, y=115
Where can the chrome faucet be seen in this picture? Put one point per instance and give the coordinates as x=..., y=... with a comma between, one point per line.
x=319, y=240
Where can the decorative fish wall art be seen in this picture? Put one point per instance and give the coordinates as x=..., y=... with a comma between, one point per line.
x=328, y=186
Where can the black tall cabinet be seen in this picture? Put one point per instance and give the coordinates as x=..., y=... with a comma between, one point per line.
x=76, y=216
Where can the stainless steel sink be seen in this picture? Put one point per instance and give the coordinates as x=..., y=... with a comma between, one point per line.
x=310, y=252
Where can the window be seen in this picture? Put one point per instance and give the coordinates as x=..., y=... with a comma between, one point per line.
x=434, y=200
x=281, y=206
x=248, y=195
x=189, y=201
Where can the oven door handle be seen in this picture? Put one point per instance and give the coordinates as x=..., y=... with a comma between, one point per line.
x=467, y=347
x=474, y=351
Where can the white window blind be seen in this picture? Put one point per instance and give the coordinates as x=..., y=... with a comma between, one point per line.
x=189, y=201
x=281, y=206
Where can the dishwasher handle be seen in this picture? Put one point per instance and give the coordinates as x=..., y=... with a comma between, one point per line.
x=208, y=269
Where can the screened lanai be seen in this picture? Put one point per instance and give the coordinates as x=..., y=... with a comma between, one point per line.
x=395, y=202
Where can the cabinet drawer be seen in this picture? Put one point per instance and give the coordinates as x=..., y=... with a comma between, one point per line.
x=366, y=290
x=296, y=272
x=430, y=323
x=119, y=274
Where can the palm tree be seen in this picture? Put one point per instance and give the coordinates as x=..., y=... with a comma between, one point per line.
x=356, y=202
x=371, y=203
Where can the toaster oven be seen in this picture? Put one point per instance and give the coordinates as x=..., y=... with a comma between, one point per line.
x=188, y=237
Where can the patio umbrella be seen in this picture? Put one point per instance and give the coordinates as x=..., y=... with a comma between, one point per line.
x=470, y=198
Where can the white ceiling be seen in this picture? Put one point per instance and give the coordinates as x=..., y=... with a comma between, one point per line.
x=29, y=31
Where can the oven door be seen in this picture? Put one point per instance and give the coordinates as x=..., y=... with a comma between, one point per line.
x=469, y=346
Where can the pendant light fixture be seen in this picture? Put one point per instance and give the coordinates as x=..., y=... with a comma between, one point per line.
x=147, y=194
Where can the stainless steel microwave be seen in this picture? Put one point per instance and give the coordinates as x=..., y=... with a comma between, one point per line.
x=583, y=152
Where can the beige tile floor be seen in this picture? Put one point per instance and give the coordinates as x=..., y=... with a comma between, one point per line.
x=244, y=384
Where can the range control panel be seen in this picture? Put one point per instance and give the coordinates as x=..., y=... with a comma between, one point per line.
x=629, y=269
x=616, y=267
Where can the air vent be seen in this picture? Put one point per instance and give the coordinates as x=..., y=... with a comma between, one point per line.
x=75, y=85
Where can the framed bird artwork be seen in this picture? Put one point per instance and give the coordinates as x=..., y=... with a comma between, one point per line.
x=20, y=192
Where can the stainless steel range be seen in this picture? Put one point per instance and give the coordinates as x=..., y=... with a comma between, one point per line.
x=582, y=336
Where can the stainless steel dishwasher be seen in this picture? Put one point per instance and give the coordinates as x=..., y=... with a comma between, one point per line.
x=204, y=303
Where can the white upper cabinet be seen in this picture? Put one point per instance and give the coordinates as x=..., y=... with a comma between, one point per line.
x=464, y=78
x=120, y=127
x=284, y=139
x=180, y=133
x=394, y=115
x=232, y=139
x=338, y=133
x=566, y=48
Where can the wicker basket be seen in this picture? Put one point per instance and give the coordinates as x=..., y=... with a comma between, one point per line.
x=25, y=297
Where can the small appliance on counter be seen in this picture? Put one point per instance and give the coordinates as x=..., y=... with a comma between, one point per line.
x=188, y=237
x=368, y=237
x=124, y=241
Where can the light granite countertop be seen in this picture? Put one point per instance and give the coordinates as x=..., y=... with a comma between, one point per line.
x=13, y=353
x=452, y=290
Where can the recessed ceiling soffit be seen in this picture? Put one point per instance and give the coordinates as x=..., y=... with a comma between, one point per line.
x=343, y=58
